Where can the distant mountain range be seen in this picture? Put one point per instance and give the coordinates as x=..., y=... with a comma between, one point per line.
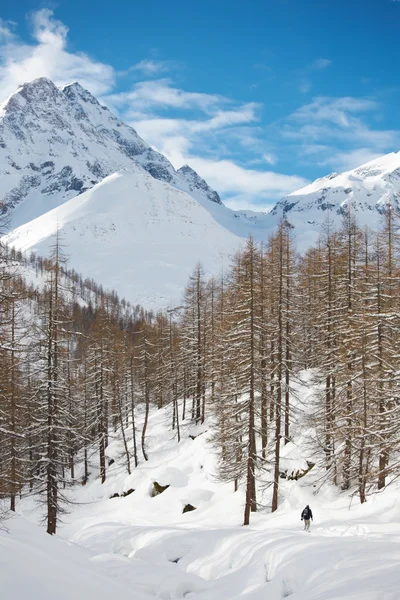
x=368, y=190
x=130, y=220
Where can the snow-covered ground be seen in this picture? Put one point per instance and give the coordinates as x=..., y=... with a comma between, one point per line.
x=139, y=546
x=37, y=566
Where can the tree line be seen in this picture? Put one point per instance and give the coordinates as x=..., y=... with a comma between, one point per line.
x=78, y=363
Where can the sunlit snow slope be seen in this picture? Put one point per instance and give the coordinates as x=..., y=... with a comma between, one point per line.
x=39, y=567
x=135, y=234
x=352, y=553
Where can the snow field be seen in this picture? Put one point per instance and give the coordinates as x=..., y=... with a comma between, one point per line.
x=37, y=566
x=148, y=548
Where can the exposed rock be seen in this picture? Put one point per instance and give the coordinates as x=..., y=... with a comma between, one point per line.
x=26, y=184
x=158, y=489
x=188, y=508
x=197, y=184
x=298, y=474
x=193, y=437
x=123, y=495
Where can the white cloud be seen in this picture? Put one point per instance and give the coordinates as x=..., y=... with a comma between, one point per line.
x=348, y=160
x=48, y=56
x=156, y=130
x=270, y=158
x=336, y=132
x=150, y=67
x=230, y=178
x=223, y=118
x=338, y=111
x=162, y=94
x=321, y=63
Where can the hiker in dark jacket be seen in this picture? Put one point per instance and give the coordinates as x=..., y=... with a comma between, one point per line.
x=306, y=515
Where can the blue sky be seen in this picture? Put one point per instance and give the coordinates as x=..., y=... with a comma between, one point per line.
x=258, y=96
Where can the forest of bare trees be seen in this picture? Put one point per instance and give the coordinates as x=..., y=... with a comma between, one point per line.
x=77, y=364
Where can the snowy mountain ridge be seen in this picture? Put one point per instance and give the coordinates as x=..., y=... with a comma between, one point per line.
x=56, y=143
x=367, y=190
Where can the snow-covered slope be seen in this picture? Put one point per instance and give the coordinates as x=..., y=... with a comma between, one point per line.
x=149, y=544
x=352, y=552
x=39, y=567
x=367, y=191
x=135, y=234
x=57, y=143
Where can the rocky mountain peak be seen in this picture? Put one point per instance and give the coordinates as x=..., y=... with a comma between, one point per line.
x=39, y=90
x=197, y=183
x=56, y=143
x=75, y=91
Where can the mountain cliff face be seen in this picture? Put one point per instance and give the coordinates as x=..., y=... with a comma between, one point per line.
x=58, y=143
x=197, y=185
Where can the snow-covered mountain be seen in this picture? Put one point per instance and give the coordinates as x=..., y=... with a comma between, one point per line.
x=56, y=143
x=129, y=219
x=367, y=191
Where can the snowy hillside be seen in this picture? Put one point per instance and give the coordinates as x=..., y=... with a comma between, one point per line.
x=149, y=545
x=134, y=234
x=57, y=143
x=367, y=190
